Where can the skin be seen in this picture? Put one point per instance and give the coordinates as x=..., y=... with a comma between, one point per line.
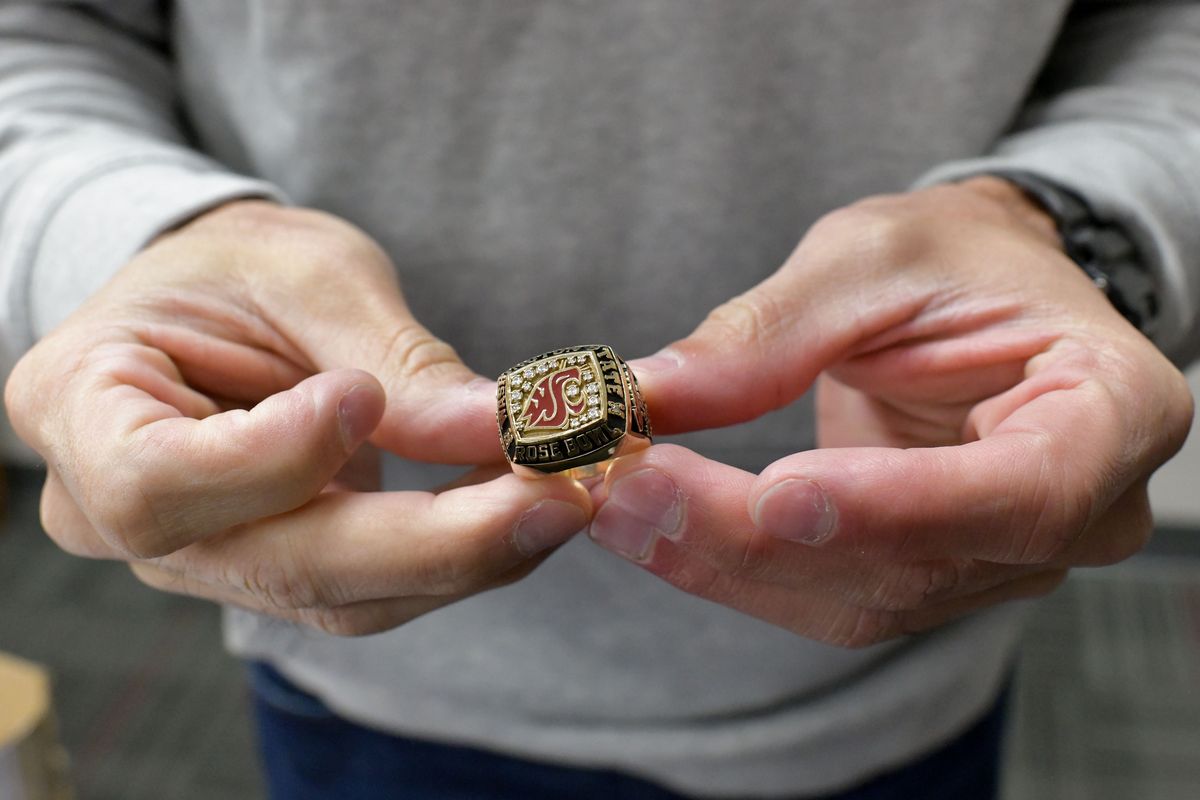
x=208, y=414
x=986, y=421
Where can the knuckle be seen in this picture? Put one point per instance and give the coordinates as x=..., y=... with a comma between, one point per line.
x=872, y=231
x=1046, y=517
x=413, y=351
x=916, y=585
x=278, y=585
x=747, y=556
x=750, y=321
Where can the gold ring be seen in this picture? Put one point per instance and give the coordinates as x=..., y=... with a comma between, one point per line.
x=570, y=410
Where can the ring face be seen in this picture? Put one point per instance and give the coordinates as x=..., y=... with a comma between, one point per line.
x=570, y=409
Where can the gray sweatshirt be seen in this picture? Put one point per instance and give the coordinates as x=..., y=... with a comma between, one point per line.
x=654, y=157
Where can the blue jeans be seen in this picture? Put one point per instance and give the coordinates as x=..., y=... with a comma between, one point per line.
x=308, y=753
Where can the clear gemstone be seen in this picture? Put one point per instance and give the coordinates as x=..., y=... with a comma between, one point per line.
x=542, y=369
x=593, y=388
x=572, y=390
x=593, y=400
x=593, y=413
x=574, y=422
x=528, y=386
x=528, y=373
x=587, y=375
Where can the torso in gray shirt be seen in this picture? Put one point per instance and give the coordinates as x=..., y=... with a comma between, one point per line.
x=549, y=173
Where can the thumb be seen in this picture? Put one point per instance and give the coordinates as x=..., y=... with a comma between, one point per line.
x=438, y=409
x=196, y=477
x=764, y=348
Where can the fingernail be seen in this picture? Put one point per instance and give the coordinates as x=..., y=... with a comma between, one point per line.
x=627, y=536
x=547, y=523
x=660, y=362
x=358, y=414
x=797, y=510
x=649, y=496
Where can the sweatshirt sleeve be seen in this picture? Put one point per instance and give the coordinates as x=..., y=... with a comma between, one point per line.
x=1115, y=117
x=94, y=159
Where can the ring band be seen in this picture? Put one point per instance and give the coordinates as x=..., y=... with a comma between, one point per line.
x=570, y=410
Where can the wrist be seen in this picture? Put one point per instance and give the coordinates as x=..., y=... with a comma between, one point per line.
x=1018, y=203
x=1102, y=248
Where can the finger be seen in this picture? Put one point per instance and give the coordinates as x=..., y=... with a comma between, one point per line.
x=344, y=548
x=709, y=500
x=1025, y=493
x=357, y=619
x=152, y=481
x=825, y=616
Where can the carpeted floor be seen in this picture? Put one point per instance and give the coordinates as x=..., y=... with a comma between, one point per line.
x=1107, y=699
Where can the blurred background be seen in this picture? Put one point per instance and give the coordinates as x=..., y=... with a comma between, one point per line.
x=148, y=705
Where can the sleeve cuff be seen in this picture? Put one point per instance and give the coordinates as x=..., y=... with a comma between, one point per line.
x=1151, y=199
x=95, y=223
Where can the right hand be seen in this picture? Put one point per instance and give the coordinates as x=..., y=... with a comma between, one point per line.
x=195, y=413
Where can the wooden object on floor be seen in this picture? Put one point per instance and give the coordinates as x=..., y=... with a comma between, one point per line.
x=33, y=765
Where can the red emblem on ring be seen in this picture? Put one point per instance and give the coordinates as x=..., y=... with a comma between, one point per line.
x=554, y=399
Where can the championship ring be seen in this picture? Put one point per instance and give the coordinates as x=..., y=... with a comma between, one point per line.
x=570, y=410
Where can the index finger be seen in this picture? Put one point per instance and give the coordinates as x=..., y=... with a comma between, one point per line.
x=348, y=547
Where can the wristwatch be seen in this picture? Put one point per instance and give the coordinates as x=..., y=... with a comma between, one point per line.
x=1101, y=247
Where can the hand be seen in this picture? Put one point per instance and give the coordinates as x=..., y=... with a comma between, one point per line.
x=195, y=412
x=986, y=421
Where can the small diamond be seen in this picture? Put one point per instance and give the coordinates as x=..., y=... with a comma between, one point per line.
x=593, y=388
x=542, y=368
x=573, y=390
x=572, y=359
x=574, y=422
x=593, y=413
x=516, y=395
x=528, y=386
x=593, y=400
x=587, y=375
x=528, y=373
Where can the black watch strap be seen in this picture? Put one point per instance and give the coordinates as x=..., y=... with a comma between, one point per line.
x=1100, y=247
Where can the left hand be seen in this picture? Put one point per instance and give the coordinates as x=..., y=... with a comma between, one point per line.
x=986, y=421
